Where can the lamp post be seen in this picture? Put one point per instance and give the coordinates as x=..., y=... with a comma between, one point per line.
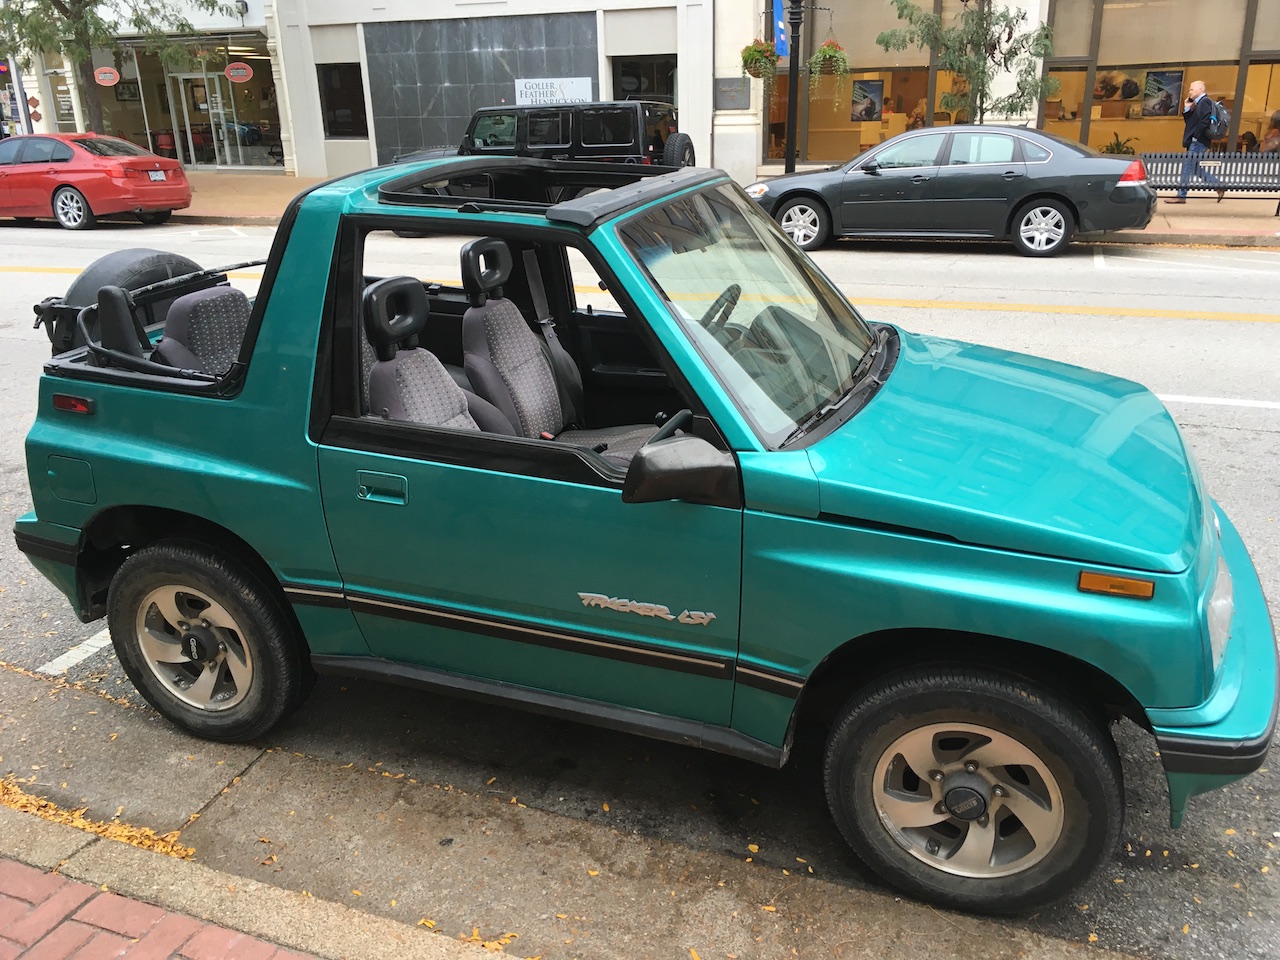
x=795, y=17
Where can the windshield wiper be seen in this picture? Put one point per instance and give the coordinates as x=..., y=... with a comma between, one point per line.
x=860, y=372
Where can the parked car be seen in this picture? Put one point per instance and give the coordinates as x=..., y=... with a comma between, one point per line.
x=965, y=182
x=639, y=463
x=621, y=131
x=77, y=177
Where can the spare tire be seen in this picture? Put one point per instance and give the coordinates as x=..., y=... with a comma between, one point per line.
x=678, y=151
x=131, y=269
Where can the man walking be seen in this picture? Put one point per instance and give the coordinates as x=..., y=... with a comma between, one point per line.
x=1197, y=112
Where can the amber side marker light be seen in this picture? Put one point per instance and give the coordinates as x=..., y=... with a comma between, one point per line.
x=1116, y=586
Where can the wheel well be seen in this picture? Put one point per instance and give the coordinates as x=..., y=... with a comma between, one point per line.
x=114, y=534
x=860, y=661
x=813, y=198
x=1075, y=213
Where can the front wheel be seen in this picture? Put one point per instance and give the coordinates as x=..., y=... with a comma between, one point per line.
x=805, y=221
x=71, y=209
x=1042, y=228
x=974, y=790
x=205, y=641
x=154, y=218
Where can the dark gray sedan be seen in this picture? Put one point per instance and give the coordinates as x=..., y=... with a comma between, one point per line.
x=965, y=182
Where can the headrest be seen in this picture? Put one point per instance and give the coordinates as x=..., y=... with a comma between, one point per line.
x=395, y=310
x=486, y=266
x=222, y=301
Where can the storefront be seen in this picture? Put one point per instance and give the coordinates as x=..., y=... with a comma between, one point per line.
x=1123, y=68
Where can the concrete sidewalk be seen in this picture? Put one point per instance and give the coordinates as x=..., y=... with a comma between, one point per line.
x=260, y=198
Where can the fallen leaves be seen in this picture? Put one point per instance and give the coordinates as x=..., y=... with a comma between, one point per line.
x=496, y=945
x=15, y=798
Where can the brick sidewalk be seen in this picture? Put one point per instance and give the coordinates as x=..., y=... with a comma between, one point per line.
x=47, y=917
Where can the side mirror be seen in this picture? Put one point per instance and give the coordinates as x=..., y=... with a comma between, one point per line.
x=870, y=167
x=683, y=467
x=467, y=145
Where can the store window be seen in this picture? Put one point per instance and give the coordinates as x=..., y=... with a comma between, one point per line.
x=1143, y=105
x=1072, y=28
x=1170, y=31
x=342, y=101
x=1062, y=115
x=1266, y=29
x=1260, y=110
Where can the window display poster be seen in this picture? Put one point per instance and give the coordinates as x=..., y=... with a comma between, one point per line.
x=866, y=100
x=1162, y=94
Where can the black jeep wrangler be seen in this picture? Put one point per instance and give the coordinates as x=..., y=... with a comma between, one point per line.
x=626, y=131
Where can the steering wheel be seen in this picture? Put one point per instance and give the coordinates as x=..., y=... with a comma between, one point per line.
x=723, y=306
x=668, y=429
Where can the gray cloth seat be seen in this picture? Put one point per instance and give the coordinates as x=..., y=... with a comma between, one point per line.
x=406, y=382
x=204, y=330
x=516, y=370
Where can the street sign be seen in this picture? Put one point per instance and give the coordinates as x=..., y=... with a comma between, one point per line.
x=239, y=72
x=106, y=76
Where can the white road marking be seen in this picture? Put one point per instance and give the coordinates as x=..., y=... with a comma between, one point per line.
x=1099, y=261
x=77, y=654
x=1221, y=401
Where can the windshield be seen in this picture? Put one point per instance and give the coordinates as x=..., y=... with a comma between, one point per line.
x=779, y=336
x=111, y=147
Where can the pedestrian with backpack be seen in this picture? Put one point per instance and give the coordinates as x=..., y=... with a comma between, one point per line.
x=1201, y=117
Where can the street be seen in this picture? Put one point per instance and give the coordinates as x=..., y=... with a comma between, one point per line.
x=478, y=817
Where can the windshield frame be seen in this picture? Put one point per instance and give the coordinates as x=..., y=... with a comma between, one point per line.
x=825, y=294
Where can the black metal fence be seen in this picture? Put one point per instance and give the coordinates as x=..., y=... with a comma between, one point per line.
x=1236, y=172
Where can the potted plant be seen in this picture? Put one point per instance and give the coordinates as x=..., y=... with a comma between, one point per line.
x=1118, y=146
x=760, y=59
x=830, y=59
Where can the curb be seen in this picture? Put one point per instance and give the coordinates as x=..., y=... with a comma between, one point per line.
x=1187, y=239
x=224, y=221
x=293, y=920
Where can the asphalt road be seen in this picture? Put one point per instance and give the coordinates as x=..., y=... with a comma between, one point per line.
x=1200, y=327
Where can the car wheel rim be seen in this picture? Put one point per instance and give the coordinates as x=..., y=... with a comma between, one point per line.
x=686, y=158
x=1043, y=228
x=801, y=224
x=968, y=800
x=194, y=647
x=70, y=210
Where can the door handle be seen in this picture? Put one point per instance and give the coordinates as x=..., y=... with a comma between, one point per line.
x=1012, y=175
x=381, y=487
x=920, y=178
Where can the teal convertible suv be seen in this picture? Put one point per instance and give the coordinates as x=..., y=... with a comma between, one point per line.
x=606, y=444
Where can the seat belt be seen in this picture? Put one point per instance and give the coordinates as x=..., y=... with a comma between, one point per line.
x=563, y=369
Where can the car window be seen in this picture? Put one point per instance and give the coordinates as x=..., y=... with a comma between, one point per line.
x=981, y=148
x=39, y=150
x=609, y=126
x=9, y=150
x=912, y=152
x=111, y=147
x=1033, y=152
x=495, y=130
x=587, y=287
x=550, y=129
x=659, y=123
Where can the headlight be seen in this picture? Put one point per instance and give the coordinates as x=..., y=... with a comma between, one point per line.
x=1221, y=608
x=757, y=190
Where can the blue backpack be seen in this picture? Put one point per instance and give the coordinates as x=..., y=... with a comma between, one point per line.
x=1219, y=120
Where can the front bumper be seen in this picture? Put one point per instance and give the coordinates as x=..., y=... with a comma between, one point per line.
x=1226, y=737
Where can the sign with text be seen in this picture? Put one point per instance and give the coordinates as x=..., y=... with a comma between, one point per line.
x=106, y=76
x=239, y=72
x=554, y=90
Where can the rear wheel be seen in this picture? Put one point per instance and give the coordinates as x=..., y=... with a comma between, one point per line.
x=205, y=641
x=678, y=151
x=1042, y=228
x=972, y=789
x=71, y=209
x=155, y=218
x=805, y=221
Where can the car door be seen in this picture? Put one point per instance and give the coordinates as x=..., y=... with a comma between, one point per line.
x=33, y=179
x=982, y=180
x=890, y=190
x=547, y=134
x=8, y=155
x=501, y=563
x=494, y=133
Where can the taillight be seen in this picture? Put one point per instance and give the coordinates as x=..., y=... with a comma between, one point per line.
x=70, y=404
x=1134, y=173
x=646, y=160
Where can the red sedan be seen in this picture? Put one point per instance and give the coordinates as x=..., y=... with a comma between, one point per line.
x=77, y=177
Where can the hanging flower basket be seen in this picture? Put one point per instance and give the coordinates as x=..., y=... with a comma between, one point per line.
x=829, y=58
x=760, y=59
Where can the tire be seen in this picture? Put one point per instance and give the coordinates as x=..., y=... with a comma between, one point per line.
x=1060, y=774
x=1042, y=228
x=155, y=218
x=236, y=673
x=71, y=209
x=678, y=151
x=131, y=268
x=805, y=221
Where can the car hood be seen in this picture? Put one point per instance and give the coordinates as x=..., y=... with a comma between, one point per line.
x=1005, y=450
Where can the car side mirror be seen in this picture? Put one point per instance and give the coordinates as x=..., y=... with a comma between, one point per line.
x=682, y=467
x=468, y=144
x=870, y=167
